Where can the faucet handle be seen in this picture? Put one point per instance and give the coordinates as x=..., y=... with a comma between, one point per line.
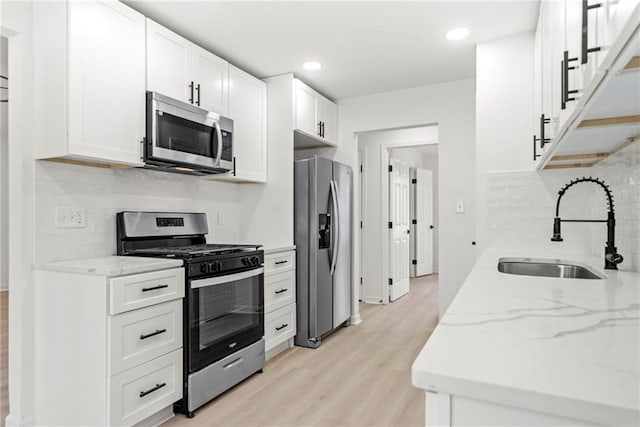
x=611, y=257
x=557, y=237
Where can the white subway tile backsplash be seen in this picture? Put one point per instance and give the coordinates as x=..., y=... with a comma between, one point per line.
x=104, y=192
x=521, y=206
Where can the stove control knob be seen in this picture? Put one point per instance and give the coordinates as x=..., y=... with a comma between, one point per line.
x=214, y=267
x=255, y=260
x=217, y=266
x=203, y=268
x=246, y=261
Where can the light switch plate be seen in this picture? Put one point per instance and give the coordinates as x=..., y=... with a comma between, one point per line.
x=460, y=206
x=70, y=217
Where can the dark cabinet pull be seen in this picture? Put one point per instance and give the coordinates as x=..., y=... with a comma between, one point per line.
x=564, y=82
x=157, y=387
x=543, y=121
x=234, y=165
x=535, y=154
x=323, y=129
x=154, y=288
x=281, y=262
x=281, y=291
x=586, y=50
x=198, y=92
x=191, y=89
x=319, y=128
x=153, y=334
x=284, y=325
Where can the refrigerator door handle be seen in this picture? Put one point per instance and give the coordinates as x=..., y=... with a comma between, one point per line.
x=336, y=225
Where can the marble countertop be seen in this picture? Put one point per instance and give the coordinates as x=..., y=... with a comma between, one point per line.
x=111, y=265
x=268, y=251
x=568, y=347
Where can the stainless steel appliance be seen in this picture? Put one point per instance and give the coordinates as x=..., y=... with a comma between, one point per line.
x=323, y=192
x=223, y=304
x=185, y=138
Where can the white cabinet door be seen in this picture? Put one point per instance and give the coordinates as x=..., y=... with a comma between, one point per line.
x=210, y=75
x=596, y=39
x=328, y=118
x=306, y=109
x=573, y=39
x=106, y=60
x=556, y=21
x=167, y=62
x=617, y=14
x=248, y=109
x=550, y=95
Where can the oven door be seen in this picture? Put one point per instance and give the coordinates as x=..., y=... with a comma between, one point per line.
x=226, y=313
x=182, y=134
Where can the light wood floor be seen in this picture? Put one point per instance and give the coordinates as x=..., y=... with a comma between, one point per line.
x=4, y=353
x=360, y=375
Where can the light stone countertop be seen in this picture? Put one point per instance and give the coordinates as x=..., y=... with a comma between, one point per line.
x=567, y=347
x=276, y=250
x=111, y=266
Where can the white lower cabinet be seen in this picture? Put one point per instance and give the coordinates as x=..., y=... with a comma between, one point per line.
x=279, y=300
x=108, y=347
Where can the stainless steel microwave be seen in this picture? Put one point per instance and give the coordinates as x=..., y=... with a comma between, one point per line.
x=185, y=138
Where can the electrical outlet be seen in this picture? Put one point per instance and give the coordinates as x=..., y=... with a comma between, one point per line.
x=459, y=206
x=69, y=217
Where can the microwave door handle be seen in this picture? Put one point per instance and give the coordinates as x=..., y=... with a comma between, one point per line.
x=216, y=125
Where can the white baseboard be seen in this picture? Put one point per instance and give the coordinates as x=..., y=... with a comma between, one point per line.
x=18, y=421
x=372, y=301
x=158, y=418
x=356, y=319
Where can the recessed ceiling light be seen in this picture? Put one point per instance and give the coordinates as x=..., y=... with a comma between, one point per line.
x=312, y=65
x=457, y=34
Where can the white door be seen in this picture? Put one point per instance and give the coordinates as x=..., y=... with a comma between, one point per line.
x=211, y=78
x=306, y=109
x=424, y=222
x=399, y=257
x=106, y=81
x=168, y=63
x=248, y=109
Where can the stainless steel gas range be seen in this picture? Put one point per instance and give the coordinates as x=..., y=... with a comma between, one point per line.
x=223, y=304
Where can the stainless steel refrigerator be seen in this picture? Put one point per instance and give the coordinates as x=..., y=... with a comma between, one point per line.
x=323, y=193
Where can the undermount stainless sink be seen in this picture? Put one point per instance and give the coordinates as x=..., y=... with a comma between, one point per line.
x=547, y=268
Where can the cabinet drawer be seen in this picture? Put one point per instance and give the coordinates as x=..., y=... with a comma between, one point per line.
x=279, y=326
x=144, y=390
x=144, y=334
x=142, y=290
x=279, y=261
x=279, y=290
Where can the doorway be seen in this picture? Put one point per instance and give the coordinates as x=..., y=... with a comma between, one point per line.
x=387, y=233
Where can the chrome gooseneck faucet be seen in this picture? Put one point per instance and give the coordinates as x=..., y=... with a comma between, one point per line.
x=611, y=256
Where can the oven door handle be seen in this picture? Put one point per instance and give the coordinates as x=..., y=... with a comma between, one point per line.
x=211, y=281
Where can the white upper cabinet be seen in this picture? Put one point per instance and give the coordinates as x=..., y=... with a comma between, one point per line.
x=182, y=70
x=316, y=118
x=89, y=82
x=589, y=55
x=248, y=109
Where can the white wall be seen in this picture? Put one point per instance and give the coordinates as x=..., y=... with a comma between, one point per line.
x=452, y=107
x=4, y=174
x=504, y=114
x=410, y=156
x=373, y=277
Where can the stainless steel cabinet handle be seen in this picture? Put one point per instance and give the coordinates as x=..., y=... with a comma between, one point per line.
x=157, y=387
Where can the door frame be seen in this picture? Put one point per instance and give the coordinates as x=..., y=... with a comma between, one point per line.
x=362, y=189
x=384, y=205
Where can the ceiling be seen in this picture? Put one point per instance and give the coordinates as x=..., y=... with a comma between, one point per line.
x=364, y=47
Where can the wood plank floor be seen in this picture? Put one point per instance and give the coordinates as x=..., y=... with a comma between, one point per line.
x=4, y=356
x=361, y=375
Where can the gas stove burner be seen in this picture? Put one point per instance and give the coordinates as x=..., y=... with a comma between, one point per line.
x=195, y=250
